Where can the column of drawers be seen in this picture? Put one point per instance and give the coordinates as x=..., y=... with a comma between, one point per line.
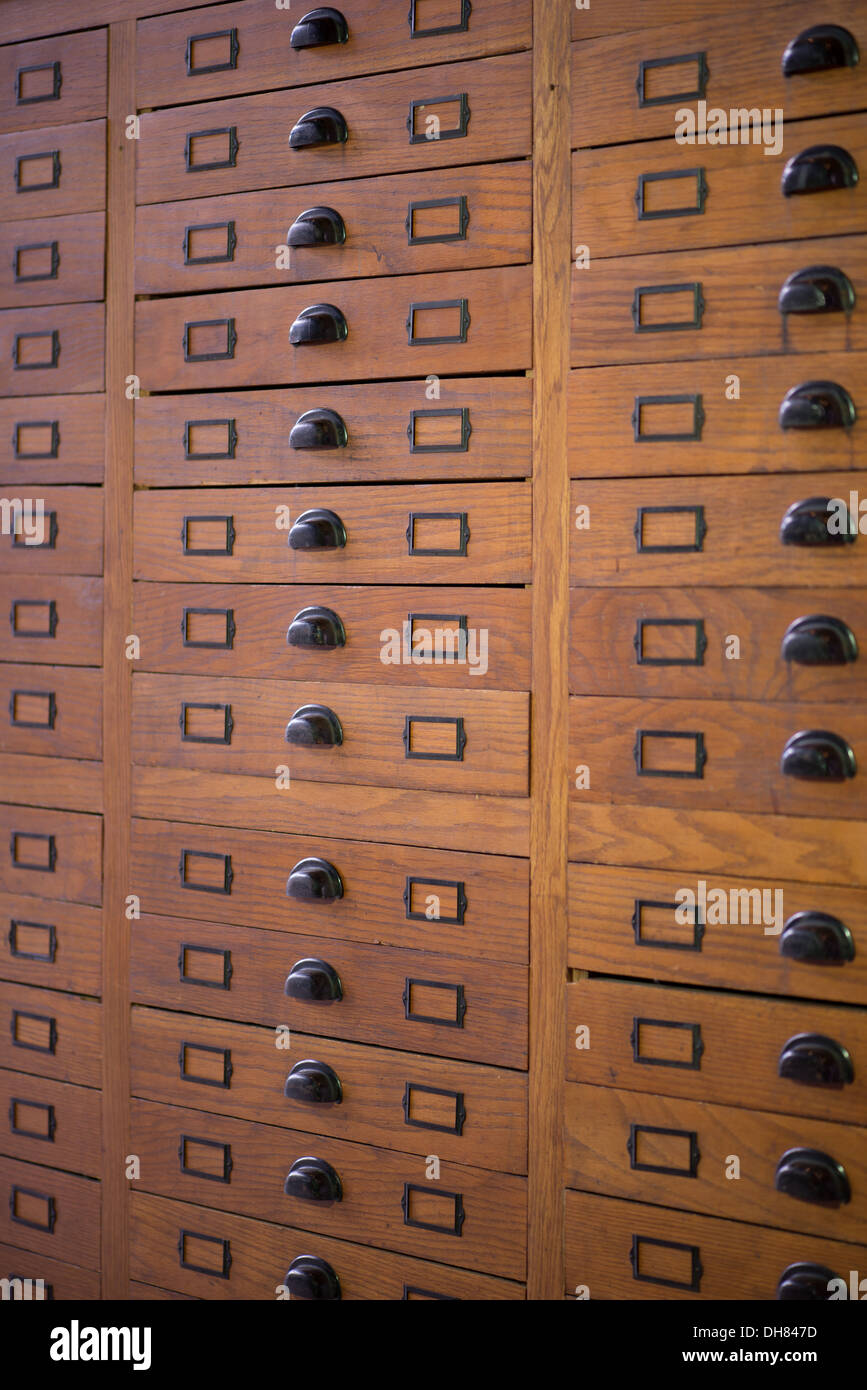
x=330, y=707
x=52, y=242
x=714, y=1104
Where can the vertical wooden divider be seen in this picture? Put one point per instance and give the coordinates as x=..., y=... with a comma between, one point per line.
x=550, y=619
x=117, y=669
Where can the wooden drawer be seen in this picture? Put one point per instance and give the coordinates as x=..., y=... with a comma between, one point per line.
x=149, y=1293
x=55, y=260
x=51, y=1122
x=405, y=429
x=471, y=1114
x=619, y=1249
x=410, y=120
x=643, y=198
x=43, y=944
x=71, y=535
x=53, y=620
x=478, y=321
x=621, y=16
x=713, y=304
x=470, y=741
x=55, y=711
x=52, y=439
x=49, y=1213
x=684, y=1154
x=428, y=535
x=464, y=1216
x=51, y=1034
x=52, y=349
x=59, y=1281
x=630, y=922
x=215, y=1255
x=53, y=854
x=228, y=49
x=721, y=531
x=53, y=171
x=710, y=59
x=482, y=899
x=450, y=220
x=242, y=630
x=675, y=418
x=799, y=759
x=422, y=1001
x=679, y=642
x=63, y=78
x=721, y=1047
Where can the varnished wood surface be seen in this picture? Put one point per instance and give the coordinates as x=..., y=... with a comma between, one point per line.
x=27, y=348
x=29, y=832
x=73, y=248
x=65, y=1281
x=73, y=785
x=30, y=954
x=78, y=542
x=51, y=711
x=28, y=100
x=51, y=1122
x=71, y=606
x=58, y=439
x=78, y=185
x=33, y=1019
x=622, y=16
x=27, y=1191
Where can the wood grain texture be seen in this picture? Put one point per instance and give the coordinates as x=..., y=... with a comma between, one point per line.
x=376, y=520
x=23, y=23
x=52, y=439
x=28, y=98
x=181, y=965
x=739, y=1261
x=740, y=289
x=75, y=516
x=261, y=1254
x=29, y=832
x=373, y=1081
x=374, y=878
x=742, y=1038
x=608, y=405
x=45, y=186
x=65, y=1281
x=491, y=1237
x=47, y=1121
x=602, y=934
x=51, y=711
x=26, y=1192
x=52, y=349
x=73, y=248
x=375, y=110
x=56, y=621
x=34, y=1018
x=69, y=784
x=599, y=1124
x=380, y=426
x=622, y=16
x=380, y=216
x=380, y=38
x=497, y=337
x=43, y=943
x=604, y=73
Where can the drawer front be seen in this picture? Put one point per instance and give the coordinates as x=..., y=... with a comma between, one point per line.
x=63, y=78
x=693, y=417
x=734, y=644
x=477, y=322
x=719, y=304
x=639, y=198
x=800, y=530
x=49, y=1213
x=619, y=1249
x=53, y=171
x=431, y=1003
x=454, y=637
x=789, y=759
x=215, y=1255
x=447, y=740
x=52, y=439
x=54, y=260
x=711, y=60
x=471, y=1114
x=42, y=943
x=53, y=620
x=786, y=938
x=431, y=535
x=383, y=125
x=228, y=49
x=64, y=536
x=48, y=1279
x=787, y=1173
x=52, y=349
x=51, y=1122
x=51, y=854
x=681, y=1042
x=478, y=903
x=53, y=1035
x=464, y=1215
x=451, y=220
x=55, y=711
x=454, y=429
